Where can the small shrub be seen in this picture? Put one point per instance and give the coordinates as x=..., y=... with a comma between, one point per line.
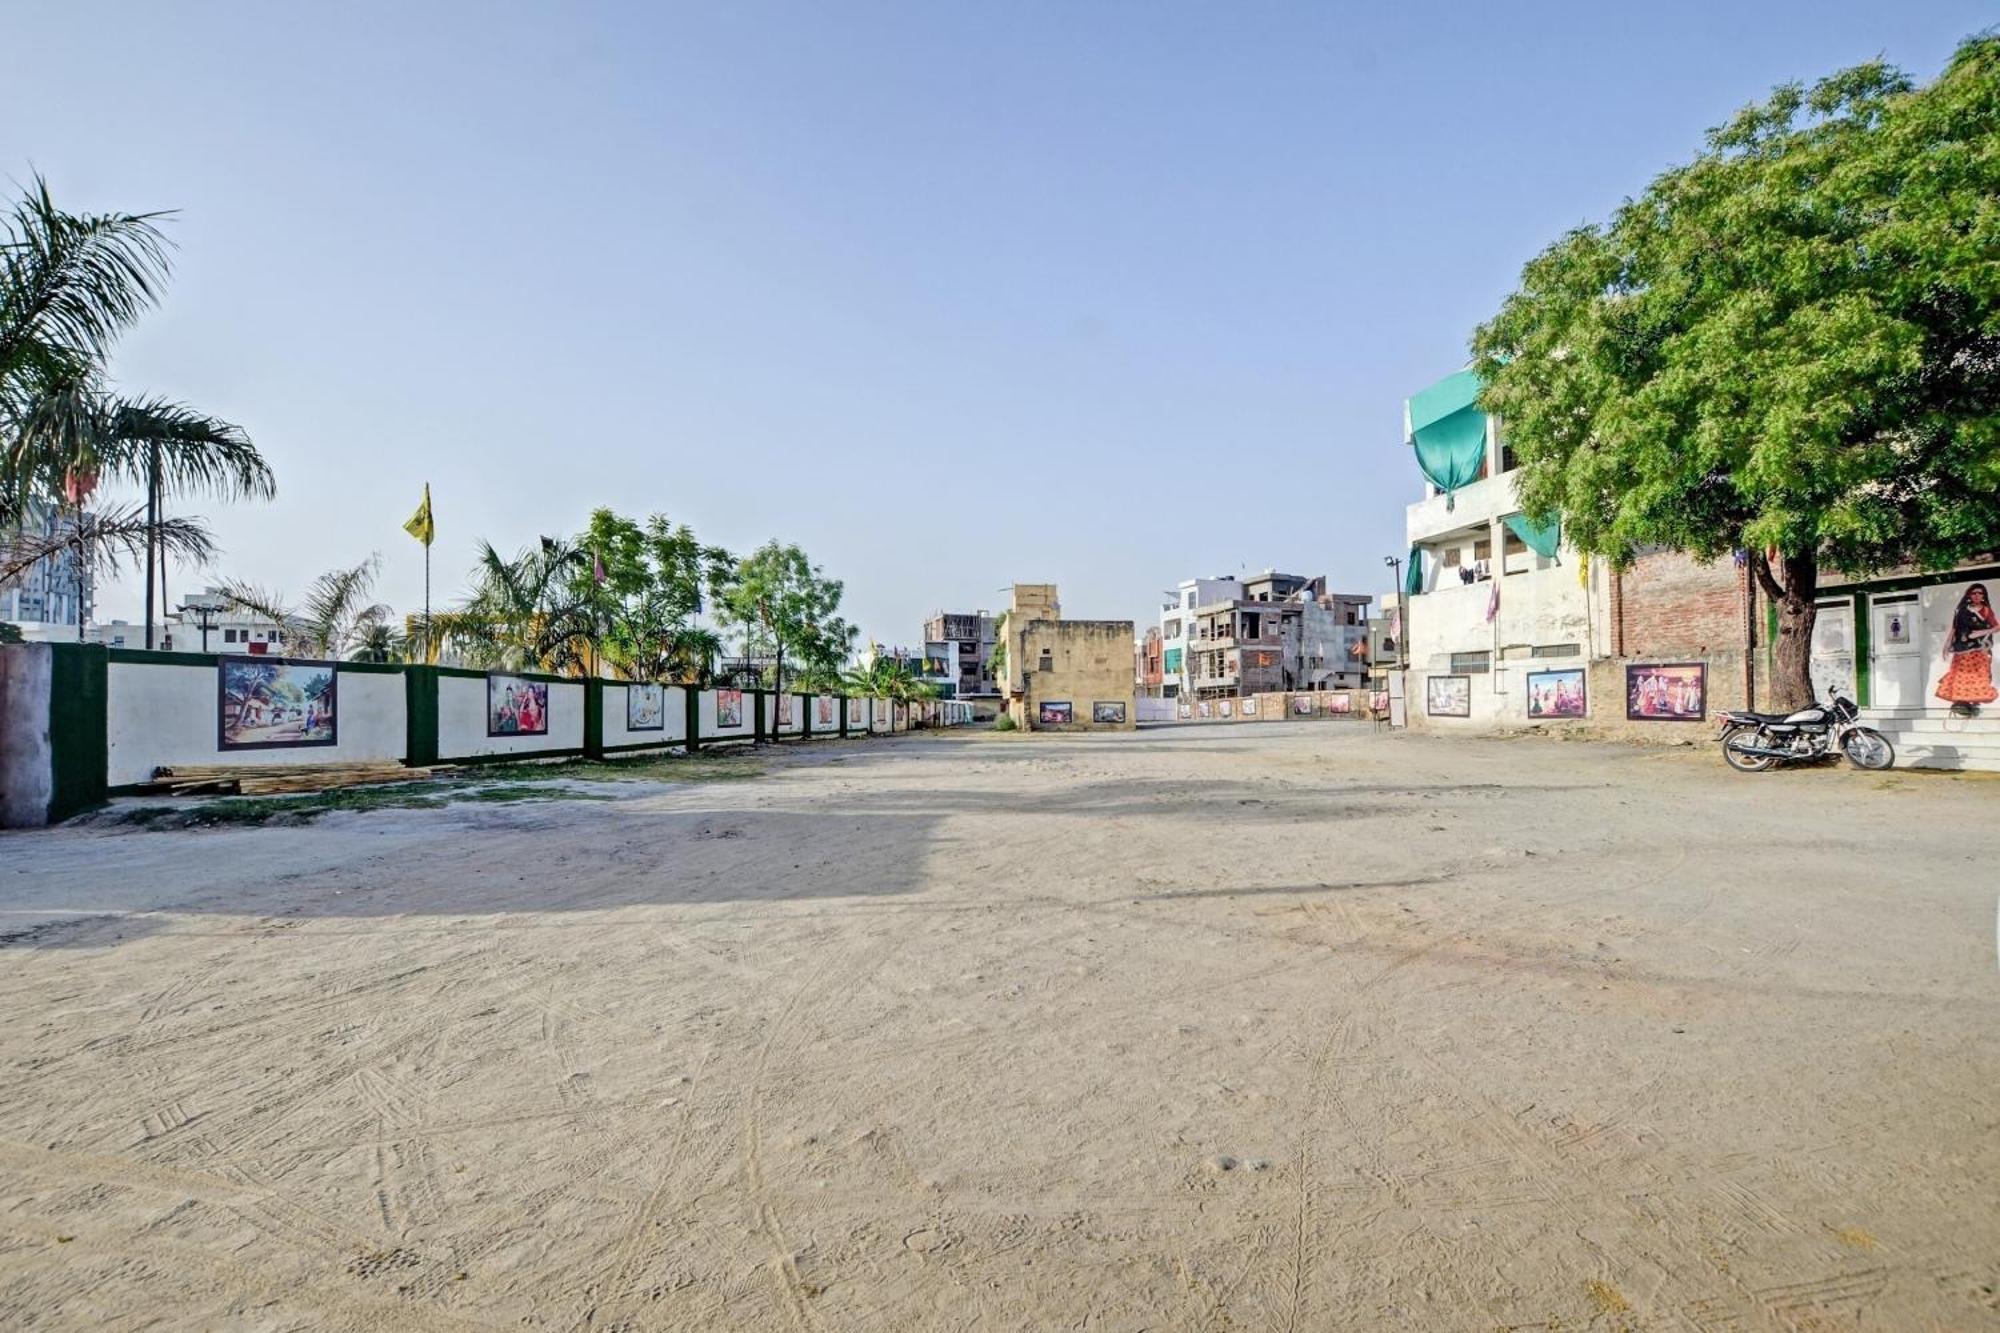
x=1003, y=723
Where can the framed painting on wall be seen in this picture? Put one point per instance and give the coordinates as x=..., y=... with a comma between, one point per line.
x=1108, y=712
x=1304, y=704
x=1249, y=708
x=516, y=706
x=1056, y=713
x=1339, y=703
x=1557, y=693
x=784, y=710
x=824, y=716
x=645, y=707
x=1667, y=692
x=1227, y=707
x=273, y=703
x=1448, y=696
x=728, y=708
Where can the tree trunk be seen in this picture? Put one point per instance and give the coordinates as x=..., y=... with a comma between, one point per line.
x=1791, y=681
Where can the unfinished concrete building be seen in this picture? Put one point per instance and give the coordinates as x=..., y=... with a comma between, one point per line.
x=1280, y=632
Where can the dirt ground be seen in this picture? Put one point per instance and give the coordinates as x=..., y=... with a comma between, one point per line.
x=1263, y=1027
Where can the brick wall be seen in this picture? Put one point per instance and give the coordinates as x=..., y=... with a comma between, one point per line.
x=1668, y=604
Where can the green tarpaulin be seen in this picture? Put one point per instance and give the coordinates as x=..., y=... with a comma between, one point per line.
x=1413, y=577
x=1449, y=432
x=1542, y=538
x=1173, y=661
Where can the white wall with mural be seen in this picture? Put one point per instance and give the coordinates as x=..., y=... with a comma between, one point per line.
x=636, y=714
x=474, y=715
x=170, y=713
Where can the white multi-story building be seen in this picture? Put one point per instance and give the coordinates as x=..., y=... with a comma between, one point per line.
x=1178, y=628
x=1490, y=595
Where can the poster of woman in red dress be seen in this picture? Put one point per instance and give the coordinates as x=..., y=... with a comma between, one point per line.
x=1968, y=653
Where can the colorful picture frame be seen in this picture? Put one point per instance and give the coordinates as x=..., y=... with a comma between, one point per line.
x=728, y=708
x=276, y=703
x=516, y=706
x=1108, y=712
x=1056, y=713
x=1558, y=694
x=1666, y=692
x=1448, y=696
x=645, y=707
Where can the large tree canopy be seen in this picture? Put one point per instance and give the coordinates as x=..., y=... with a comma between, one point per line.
x=1789, y=344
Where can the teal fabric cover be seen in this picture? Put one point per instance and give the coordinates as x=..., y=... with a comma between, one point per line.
x=1413, y=576
x=1542, y=538
x=1449, y=432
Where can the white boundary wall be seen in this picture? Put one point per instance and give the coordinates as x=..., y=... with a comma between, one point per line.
x=616, y=736
x=166, y=713
x=705, y=719
x=462, y=720
x=825, y=723
x=783, y=723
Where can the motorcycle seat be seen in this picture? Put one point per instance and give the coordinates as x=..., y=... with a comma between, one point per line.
x=1745, y=715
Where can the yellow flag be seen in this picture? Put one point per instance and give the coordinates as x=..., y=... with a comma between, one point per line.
x=1582, y=563
x=420, y=525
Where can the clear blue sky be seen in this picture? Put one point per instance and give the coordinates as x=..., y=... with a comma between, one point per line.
x=953, y=295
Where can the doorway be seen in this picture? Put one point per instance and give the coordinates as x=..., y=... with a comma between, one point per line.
x=1895, y=652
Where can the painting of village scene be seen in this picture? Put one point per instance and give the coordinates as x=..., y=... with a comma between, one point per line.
x=516, y=706
x=645, y=708
x=1556, y=693
x=824, y=716
x=269, y=703
x=1675, y=692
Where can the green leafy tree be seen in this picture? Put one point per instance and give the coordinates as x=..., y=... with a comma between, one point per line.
x=784, y=605
x=643, y=587
x=1788, y=347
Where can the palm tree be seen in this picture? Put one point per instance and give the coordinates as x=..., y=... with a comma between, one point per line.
x=69, y=285
x=333, y=619
x=526, y=612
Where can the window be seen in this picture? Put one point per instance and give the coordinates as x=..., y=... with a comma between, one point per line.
x=1451, y=557
x=229, y=636
x=1482, y=549
x=1558, y=650
x=1048, y=661
x=1171, y=630
x=1466, y=663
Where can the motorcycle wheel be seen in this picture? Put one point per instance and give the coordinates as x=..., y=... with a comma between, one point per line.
x=1737, y=759
x=1866, y=748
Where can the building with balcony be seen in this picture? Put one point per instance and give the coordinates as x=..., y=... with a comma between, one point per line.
x=969, y=638
x=1491, y=595
x=1227, y=638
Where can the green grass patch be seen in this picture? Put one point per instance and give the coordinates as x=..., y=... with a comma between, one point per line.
x=254, y=811
x=701, y=766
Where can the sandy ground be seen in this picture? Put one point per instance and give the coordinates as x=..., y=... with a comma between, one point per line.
x=1274, y=1026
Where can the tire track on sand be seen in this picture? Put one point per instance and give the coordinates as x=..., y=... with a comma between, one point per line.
x=782, y=1038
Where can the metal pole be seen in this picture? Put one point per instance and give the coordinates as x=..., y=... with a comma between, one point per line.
x=152, y=532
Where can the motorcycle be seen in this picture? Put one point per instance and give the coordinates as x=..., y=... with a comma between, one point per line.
x=1753, y=742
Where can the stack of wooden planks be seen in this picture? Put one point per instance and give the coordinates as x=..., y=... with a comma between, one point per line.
x=281, y=779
